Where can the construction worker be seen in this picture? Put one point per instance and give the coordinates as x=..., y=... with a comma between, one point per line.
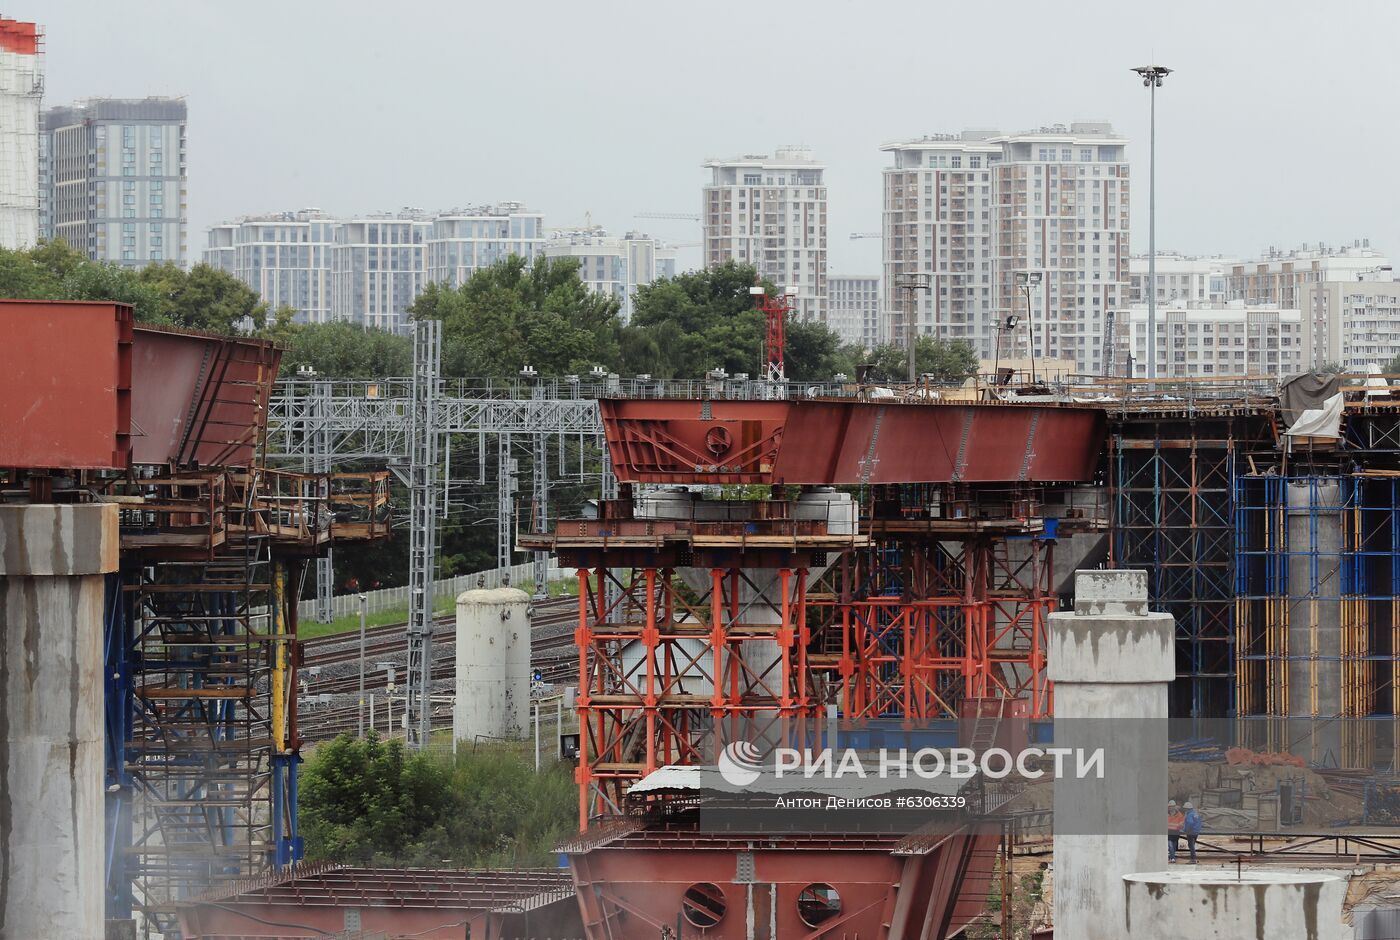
x=1175, y=820
x=1191, y=827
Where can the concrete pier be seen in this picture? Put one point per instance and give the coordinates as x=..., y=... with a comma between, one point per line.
x=1223, y=904
x=1314, y=666
x=52, y=562
x=1110, y=660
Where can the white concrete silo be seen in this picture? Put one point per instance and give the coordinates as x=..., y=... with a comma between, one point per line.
x=493, y=665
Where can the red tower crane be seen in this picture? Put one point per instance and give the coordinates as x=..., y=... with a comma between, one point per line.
x=775, y=311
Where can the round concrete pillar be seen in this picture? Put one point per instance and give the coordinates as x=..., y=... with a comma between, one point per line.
x=52, y=562
x=1221, y=904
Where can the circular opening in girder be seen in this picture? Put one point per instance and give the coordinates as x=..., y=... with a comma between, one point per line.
x=718, y=439
x=703, y=904
x=817, y=904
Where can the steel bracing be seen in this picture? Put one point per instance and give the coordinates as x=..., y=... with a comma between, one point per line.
x=1171, y=487
x=672, y=669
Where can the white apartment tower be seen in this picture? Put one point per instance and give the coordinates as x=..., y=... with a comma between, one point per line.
x=771, y=212
x=462, y=240
x=974, y=210
x=612, y=266
x=378, y=269
x=285, y=257
x=938, y=222
x=21, y=86
x=853, y=311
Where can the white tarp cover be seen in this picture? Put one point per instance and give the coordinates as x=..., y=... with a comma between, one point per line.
x=1325, y=421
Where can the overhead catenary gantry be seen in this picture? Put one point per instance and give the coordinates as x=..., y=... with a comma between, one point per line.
x=411, y=424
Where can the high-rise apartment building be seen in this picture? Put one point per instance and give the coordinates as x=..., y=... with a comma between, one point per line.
x=1216, y=340
x=114, y=179
x=367, y=269
x=1280, y=277
x=378, y=268
x=938, y=222
x=853, y=308
x=771, y=212
x=1354, y=323
x=1180, y=279
x=609, y=265
x=21, y=86
x=285, y=257
x=462, y=240
x=973, y=210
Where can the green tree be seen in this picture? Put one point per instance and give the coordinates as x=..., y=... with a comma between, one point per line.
x=513, y=314
x=341, y=350
x=162, y=294
x=206, y=298
x=372, y=802
x=696, y=321
x=944, y=360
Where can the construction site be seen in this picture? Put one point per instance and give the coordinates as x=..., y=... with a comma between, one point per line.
x=1197, y=580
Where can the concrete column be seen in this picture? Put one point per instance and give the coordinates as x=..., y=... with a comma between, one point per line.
x=52, y=562
x=1110, y=661
x=1314, y=666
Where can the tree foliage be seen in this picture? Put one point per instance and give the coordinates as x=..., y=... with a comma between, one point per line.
x=202, y=298
x=944, y=360
x=373, y=802
x=513, y=314
x=689, y=324
x=341, y=350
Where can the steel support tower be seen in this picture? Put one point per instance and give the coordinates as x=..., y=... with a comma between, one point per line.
x=423, y=522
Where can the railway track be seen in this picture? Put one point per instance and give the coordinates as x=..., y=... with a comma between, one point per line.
x=329, y=665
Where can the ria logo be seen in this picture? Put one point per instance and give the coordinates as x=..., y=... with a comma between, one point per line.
x=739, y=763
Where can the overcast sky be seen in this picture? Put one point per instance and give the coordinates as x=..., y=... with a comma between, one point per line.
x=1280, y=126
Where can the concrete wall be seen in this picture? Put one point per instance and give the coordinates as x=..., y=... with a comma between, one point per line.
x=52, y=562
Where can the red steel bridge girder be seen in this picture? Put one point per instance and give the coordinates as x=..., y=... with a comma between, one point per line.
x=849, y=442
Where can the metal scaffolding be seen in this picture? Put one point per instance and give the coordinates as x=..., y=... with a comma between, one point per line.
x=1317, y=573
x=1172, y=491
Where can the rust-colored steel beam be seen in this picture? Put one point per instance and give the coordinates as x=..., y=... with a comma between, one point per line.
x=65, y=385
x=199, y=399
x=830, y=442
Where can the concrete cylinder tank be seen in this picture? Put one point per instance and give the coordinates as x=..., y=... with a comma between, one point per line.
x=493, y=665
x=52, y=562
x=1221, y=904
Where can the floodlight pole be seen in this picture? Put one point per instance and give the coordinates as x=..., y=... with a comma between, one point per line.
x=1152, y=76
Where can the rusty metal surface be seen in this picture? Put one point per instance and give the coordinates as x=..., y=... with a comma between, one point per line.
x=850, y=442
x=65, y=384
x=199, y=399
x=632, y=884
x=424, y=903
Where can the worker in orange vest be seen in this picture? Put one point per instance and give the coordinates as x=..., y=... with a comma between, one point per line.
x=1176, y=819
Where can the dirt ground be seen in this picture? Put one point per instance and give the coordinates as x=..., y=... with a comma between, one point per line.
x=1323, y=806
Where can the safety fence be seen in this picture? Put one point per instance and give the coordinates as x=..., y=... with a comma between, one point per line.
x=344, y=605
